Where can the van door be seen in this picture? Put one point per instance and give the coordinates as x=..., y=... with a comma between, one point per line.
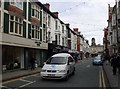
x=71, y=64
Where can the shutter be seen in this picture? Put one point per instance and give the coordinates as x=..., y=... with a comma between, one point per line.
x=6, y=23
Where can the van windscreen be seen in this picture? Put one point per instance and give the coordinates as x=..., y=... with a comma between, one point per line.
x=56, y=60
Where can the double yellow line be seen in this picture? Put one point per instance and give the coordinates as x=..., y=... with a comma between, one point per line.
x=102, y=84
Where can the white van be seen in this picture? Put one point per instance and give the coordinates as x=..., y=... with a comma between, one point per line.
x=59, y=66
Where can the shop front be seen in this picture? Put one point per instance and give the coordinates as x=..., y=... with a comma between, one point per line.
x=17, y=52
x=12, y=57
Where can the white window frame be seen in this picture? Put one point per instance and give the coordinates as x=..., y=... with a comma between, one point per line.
x=36, y=32
x=37, y=10
x=14, y=22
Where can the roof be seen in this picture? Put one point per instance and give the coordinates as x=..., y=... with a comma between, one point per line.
x=61, y=55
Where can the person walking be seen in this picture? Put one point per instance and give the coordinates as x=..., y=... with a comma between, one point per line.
x=118, y=63
x=114, y=64
x=32, y=62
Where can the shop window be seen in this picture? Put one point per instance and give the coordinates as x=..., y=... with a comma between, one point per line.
x=11, y=58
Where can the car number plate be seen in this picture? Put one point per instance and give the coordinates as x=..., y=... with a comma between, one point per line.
x=51, y=74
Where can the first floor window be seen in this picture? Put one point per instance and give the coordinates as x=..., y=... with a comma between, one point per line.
x=35, y=32
x=16, y=25
x=11, y=26
x=16, y=28
x=44, y=34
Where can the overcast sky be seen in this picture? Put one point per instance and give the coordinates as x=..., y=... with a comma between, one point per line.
x=90, y=16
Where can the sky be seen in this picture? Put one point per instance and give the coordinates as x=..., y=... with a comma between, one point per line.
x=89, y=16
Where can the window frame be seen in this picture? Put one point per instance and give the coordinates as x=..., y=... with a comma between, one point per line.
x=14, y=27
x=36, y=30
x=35, y=11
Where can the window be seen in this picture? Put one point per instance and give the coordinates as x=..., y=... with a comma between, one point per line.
x=59, y=38
x=44, y=34
x=35, y=11
x=17, y=3
x=62, y=29
x=56, y=38
x=113, y=19
x=62, y=41
x=56, y=25
x=56, y=60
x=49, y=21
x=35, y=32
x=70, y=59
x=16, y=25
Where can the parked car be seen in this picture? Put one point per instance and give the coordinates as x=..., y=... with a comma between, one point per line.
x=97, y=62
x=59, y=66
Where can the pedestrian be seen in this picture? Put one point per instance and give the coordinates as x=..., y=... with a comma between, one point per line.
x=118, y=63
x=32, y=62
x=114, y=64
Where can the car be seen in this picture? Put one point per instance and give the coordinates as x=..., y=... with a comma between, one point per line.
x=97, y=62
x=58, y=66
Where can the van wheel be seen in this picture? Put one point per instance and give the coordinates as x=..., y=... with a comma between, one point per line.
x=67, y=76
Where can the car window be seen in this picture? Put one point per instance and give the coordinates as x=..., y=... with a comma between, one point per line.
x=56, y=60
x=70, y=59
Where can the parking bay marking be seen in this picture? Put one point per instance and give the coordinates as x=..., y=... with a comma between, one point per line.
x=13, y=80
x=24, y=80
x=26, y=84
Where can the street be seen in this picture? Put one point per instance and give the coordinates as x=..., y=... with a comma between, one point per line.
x=86, y=75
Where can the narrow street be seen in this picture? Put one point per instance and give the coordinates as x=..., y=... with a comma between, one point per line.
x=86, y=75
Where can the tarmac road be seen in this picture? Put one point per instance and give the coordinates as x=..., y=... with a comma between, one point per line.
x=86, y=76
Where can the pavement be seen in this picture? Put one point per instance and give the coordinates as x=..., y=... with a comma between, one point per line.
x=19, y=73
x=113, y=80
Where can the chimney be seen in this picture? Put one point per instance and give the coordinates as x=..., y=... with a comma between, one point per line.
x=67, y=25
x=56, y=14
x=75, y=29
x=47, y=5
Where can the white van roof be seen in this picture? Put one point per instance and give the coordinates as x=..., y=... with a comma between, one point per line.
x=61, y=55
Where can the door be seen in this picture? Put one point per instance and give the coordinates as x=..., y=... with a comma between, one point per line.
x=71, y=64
